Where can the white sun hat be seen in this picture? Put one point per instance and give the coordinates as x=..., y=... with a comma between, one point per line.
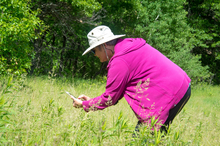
x=99, y=35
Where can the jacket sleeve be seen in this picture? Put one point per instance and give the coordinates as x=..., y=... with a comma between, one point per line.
x=118, y=73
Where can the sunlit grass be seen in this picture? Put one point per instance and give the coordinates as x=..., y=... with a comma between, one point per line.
x=43, y=115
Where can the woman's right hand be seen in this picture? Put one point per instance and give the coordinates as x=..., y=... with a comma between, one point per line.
x=84, y=98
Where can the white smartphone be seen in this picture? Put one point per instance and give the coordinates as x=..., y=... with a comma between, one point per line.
x=71, y=95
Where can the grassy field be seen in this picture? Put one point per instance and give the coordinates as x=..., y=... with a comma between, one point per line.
x=42, y=114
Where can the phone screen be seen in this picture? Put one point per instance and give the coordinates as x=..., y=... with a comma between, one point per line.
x=71, y=95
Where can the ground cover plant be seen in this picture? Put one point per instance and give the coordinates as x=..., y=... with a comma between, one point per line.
x=37, y=111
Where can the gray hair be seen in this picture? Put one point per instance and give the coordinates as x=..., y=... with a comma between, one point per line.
x=112, y=42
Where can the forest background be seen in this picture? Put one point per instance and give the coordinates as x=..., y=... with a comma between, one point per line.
x=45, y=39
x=41, y=37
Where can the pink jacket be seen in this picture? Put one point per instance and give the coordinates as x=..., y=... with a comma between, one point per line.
x=149, y=81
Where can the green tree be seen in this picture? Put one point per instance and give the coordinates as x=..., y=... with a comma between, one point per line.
x=204, y=18
x=163, y=24
x=17, y=29
x=59, y=50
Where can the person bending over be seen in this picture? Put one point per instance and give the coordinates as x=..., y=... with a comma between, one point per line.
x=152, y=84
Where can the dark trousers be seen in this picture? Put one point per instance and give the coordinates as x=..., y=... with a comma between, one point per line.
x=172, y=113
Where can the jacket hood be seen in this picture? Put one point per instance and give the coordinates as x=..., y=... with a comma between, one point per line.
x=127, y=45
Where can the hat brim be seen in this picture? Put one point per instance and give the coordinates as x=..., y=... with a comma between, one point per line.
x=101, y=42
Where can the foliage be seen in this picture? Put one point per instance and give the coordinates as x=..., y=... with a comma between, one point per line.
x=17, y=29
x=179, y=29
x=4, y=110
x=204, y=18
x=59, y=49
x=163, y=25
x=43, y=115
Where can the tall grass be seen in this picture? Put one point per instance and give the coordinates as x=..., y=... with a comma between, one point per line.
x=43, y=115
x=4, y=111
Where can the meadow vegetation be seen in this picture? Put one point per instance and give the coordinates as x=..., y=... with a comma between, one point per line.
x=37, y=111
x=39, y=37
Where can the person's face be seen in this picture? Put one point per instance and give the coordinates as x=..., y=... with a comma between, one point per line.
x=100, y=53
